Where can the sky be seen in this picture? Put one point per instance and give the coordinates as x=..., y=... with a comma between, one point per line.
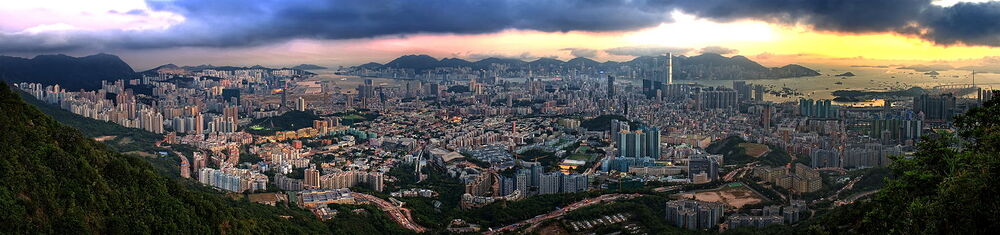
x=148, y=33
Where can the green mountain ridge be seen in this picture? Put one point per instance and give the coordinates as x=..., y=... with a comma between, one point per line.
x=55, y=180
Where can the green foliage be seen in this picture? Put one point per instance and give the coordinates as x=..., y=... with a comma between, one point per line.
x=733, y=154
x=872, y=179
x=948, y=186
x=55, y=180
x=730, y=149
x=505, y=212
x=289, y=121
x=601, y=123
x=350, y=118
x=369, y=220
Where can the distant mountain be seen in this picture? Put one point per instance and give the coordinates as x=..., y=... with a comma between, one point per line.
x=187, y=70
x=582, y=61
x=546, y=62
x=454, y=62
x=56, y=181
x=488, y=62
x=308, y=67
x=702, y=67
x=72, y=73
x=370, y=65
x=416, y=62
x=847, y=74
x=717, y=67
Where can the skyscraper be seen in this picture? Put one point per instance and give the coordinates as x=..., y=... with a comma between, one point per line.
x=300, y=104
x=644, y=142
x=938, y=108
x=611, y=87
x=670, y=68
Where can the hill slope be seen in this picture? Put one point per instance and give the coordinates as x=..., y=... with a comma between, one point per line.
x=72, y=73
x=54, y=180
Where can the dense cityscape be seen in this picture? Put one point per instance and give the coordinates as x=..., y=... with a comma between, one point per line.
x=555, y=117
x=558, y=130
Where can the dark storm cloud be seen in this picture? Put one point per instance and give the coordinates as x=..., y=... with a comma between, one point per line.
x=239, y=23
x=962, y=23
x=967, y=23
x=830, y=15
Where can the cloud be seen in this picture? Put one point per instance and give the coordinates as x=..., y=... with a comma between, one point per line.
x=963, y=23
x=240, y=23
x=646, y=51
x=581, y=52
x=719, y=50
x=991, y=60
x=764, y=56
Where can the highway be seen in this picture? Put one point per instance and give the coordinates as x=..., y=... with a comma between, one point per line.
x=400, y=215
x=562, y=211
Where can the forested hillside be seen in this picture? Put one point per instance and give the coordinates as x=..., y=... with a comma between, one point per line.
x=55, y=180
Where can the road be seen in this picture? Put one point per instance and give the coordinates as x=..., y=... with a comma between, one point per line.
x=740, y=172
x=400, y=215
x=854, y=197
x=562, y=211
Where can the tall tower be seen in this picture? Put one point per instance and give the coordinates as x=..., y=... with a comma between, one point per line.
x=611, y=87
x=670, y=68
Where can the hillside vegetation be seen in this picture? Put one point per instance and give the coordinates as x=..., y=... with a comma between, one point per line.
x=55, y=180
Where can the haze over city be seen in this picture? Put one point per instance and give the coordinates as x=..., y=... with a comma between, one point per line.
x=499, y=117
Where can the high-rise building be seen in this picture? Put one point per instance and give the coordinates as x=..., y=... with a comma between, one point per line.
x=694, y=215
x=549, y=183
x=522, y=181
x=611, y=87
x=717, y=99
x=765, y=116
x=670, y=68
x=817, y=108
x=895, y=129
x=199, y=124
x=644, y=142
x=743, y=91
x=536, y=174
x=822, y=158
x=940, y=108
x=300, y=104
x=312, y=177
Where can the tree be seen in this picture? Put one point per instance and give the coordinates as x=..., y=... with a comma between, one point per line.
x=949, y=185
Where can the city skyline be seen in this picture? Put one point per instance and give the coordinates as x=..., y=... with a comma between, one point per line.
x=500, y=116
